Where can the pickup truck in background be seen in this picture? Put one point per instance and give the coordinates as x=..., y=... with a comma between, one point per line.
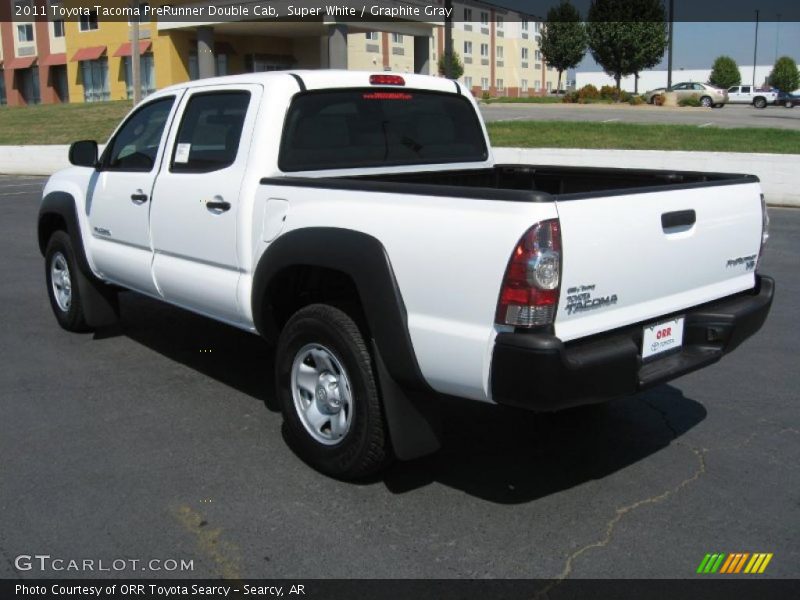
x=359, y=222
x=747, y=94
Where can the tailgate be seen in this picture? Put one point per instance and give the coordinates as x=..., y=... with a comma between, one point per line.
x=634, y=257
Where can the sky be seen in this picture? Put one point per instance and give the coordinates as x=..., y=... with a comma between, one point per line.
x=700, y=37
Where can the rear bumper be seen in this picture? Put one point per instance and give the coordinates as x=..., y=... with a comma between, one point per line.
x=540, y=372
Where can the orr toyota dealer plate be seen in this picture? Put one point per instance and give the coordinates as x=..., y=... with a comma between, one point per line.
x=662, y=337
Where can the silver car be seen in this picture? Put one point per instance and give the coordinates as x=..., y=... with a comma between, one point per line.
x=709, y=95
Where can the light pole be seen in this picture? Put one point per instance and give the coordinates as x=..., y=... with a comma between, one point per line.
x=669, y=47
x=777, y=37
x=136, y=75
x=755, y=52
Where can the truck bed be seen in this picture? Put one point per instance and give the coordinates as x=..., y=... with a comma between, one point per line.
x=523, y=183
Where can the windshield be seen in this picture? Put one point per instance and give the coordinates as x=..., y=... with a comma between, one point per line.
x=379, y=127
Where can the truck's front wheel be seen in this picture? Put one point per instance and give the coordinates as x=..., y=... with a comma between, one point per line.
x=329, y=394
x=61, y=272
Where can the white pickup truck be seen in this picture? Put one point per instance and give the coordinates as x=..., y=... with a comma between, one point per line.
x=747, y=94
x=361, y=224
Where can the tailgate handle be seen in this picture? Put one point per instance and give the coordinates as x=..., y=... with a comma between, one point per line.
x=679, y=218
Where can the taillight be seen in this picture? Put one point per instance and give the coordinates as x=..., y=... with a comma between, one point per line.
x=529, y=294
x=386, y=80
x=764, y=227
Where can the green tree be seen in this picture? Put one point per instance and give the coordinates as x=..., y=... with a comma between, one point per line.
x=563, y=42
x=626, y=36
x=785, y=75
x=725, y=73
x=456, y=66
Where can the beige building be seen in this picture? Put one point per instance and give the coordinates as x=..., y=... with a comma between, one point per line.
x=498, y=47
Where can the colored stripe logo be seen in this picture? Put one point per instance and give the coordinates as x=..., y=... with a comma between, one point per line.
x=738, y=562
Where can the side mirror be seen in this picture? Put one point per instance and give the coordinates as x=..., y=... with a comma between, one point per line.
x=83, y=154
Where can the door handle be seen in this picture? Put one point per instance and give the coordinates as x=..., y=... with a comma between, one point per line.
x=218, y=206
x=139, y=197
x=679, y=218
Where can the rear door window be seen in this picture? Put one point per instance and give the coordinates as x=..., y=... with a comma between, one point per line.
x=379, y=127
x=210, y=132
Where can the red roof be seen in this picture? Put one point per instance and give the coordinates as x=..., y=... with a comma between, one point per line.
x=52, y=60
x=127, y=48
x=90, y=53
x=23, y=62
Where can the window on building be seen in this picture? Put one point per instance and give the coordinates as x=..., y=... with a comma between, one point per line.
x=524, y=54
x=468, y=82
x=25, y=33
x=2, y=88
x=95, y=80
x=484, y=83
x=467, y=48
x=58, y=29
x=499, y=21
x=549, y=86
x=485, y=50
x=135, y=146
x=484, y=18
x=538, y=55
x=147, y=72
x=538, y=27
x=467, y=14
x=538, y=39
x=524, y=25
x=523, y=84
x=88, y=22
x=549, y=67
x=397, y=38
x=537, y=85
x=499, y=51
x=372, y=35
x=499, y=85
x=210, y=132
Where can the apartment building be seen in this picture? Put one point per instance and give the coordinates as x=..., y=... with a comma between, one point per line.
x=89, y=60
x=32, y=55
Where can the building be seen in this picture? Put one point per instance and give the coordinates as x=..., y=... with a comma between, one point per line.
x=32, y=57
x=650, y=80
x=90, y=60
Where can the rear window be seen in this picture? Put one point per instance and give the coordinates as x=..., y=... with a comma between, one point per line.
x=379, y=127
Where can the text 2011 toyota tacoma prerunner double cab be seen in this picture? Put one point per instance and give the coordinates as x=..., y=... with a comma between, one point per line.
x=360, y=222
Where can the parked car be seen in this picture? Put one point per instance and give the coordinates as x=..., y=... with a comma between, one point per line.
x=709, y=95
x=360, y=222
x=747, y=94
x=787, y=100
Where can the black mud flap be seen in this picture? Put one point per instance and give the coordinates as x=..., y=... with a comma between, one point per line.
x=414, y=422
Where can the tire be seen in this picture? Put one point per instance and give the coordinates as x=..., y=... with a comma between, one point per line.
x=788, y=104
x=61, y=275
x=760, y=103
x=328, y=392
x=706, y=102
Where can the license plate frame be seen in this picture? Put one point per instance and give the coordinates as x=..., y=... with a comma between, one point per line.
x=662, y=338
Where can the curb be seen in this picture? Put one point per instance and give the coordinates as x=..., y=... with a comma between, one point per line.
x=779, y=175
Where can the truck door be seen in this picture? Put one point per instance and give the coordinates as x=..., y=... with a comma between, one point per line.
x=196, y=209
x=118, y=199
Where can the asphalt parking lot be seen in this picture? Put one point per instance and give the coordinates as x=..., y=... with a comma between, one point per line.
x=732, y=115
x=158, y=440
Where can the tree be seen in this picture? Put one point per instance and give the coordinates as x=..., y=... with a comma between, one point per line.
x=785, y=75
x=725, y=73
x=563, y=42
x=626, y=36
x=456, y=66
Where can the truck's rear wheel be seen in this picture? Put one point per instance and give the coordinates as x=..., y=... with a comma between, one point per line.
x=61, y=272
x=329, y=394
